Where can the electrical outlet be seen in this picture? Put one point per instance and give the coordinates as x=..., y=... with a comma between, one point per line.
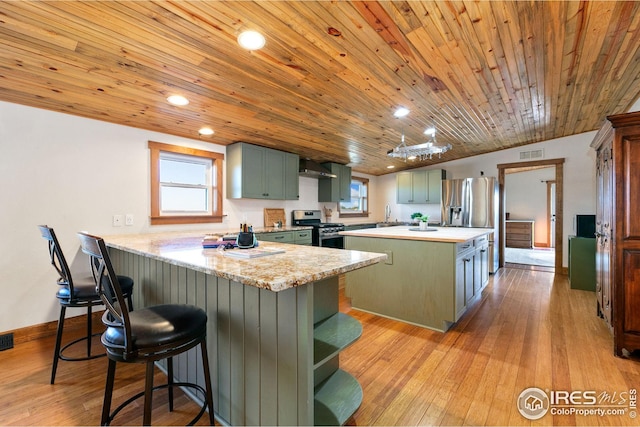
x=128, y=219
x=389, y=259
x=118, y=220
x=6, y=341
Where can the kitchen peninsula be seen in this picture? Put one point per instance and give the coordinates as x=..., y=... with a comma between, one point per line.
x=274, y=330
x=429, y=278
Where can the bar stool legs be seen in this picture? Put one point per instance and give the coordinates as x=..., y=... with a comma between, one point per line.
x=58, y=352
x=108, y=416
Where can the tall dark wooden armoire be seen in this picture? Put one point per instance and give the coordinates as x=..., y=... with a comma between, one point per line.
x=617, y=146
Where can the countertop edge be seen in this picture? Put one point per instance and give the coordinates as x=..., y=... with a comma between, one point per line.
x=277, y=283
x=403, y=233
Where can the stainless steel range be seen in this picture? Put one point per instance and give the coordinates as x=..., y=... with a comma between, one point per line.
x=324, y=234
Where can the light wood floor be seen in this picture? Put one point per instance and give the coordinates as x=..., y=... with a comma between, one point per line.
x=529, y=330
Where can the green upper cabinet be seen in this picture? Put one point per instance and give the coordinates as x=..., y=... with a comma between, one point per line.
x=291, y=179
x=255, y=172
x=335, y=189
x=420, y=186
x=434, y=185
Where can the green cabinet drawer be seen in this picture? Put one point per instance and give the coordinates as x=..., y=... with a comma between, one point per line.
x=280, y=237
x=302, y=237
x=299, y=237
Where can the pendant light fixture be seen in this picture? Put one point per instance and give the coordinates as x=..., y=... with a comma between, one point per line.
x=423, y=151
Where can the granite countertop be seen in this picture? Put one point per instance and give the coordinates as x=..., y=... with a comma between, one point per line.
x=440, y=234
x=297, y=266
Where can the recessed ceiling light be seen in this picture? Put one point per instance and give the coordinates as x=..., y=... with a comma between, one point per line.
x=401, y=112
x=177, y=100
x=430, y=131
x=251, y=40
x=206, y=131
x=390, y=167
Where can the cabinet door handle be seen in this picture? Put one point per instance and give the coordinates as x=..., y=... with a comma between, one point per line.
x=279, y=237
x=467, y=259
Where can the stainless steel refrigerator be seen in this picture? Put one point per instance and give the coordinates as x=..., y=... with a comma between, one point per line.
x=473, y=202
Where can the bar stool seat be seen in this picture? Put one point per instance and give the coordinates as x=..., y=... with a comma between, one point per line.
x=146, y=335
x=155, y=328
x=84, y=288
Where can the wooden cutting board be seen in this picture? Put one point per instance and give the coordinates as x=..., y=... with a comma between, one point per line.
x=272, y=215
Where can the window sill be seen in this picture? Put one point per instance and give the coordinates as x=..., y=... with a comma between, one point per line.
x=184, y=219
x=353, y=215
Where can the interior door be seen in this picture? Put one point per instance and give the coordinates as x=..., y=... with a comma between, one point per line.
x=551, y=213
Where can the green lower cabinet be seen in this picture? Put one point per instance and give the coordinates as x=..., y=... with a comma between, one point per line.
x=437, y=280
x=299, y=237
x=276, y=358
x=582, y=263
x=279, y=237
x=302, y=237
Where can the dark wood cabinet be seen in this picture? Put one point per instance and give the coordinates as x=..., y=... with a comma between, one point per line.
x=519, y=234
x=617, y=146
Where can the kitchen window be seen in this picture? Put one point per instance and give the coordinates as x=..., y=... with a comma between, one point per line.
x=186, y=185
x=358, y=206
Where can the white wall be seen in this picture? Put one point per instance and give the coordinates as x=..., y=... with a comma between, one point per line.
x=74, y=174
x=579, y=177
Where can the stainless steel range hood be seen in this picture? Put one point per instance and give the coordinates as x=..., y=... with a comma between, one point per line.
x=314, y=170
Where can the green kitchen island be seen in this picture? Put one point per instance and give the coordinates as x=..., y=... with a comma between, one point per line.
x=429, y=278
x=274, y=331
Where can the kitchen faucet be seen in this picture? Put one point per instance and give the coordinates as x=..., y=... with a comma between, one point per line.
x=387, y=213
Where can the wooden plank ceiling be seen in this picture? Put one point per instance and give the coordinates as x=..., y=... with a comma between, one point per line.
x=488, y=74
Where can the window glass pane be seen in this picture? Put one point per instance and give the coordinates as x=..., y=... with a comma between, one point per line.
x=176, y=170
x=180, y=199
x=185, y=183
x=358, y=202
x=356, y=189
x=351, y=206
x=354, y=204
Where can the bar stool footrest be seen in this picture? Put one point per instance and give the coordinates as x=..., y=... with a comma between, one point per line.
x=158, y=387
x=61, y=355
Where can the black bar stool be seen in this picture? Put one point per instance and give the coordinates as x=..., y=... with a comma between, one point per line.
x=75, y=291
x=145, y=336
